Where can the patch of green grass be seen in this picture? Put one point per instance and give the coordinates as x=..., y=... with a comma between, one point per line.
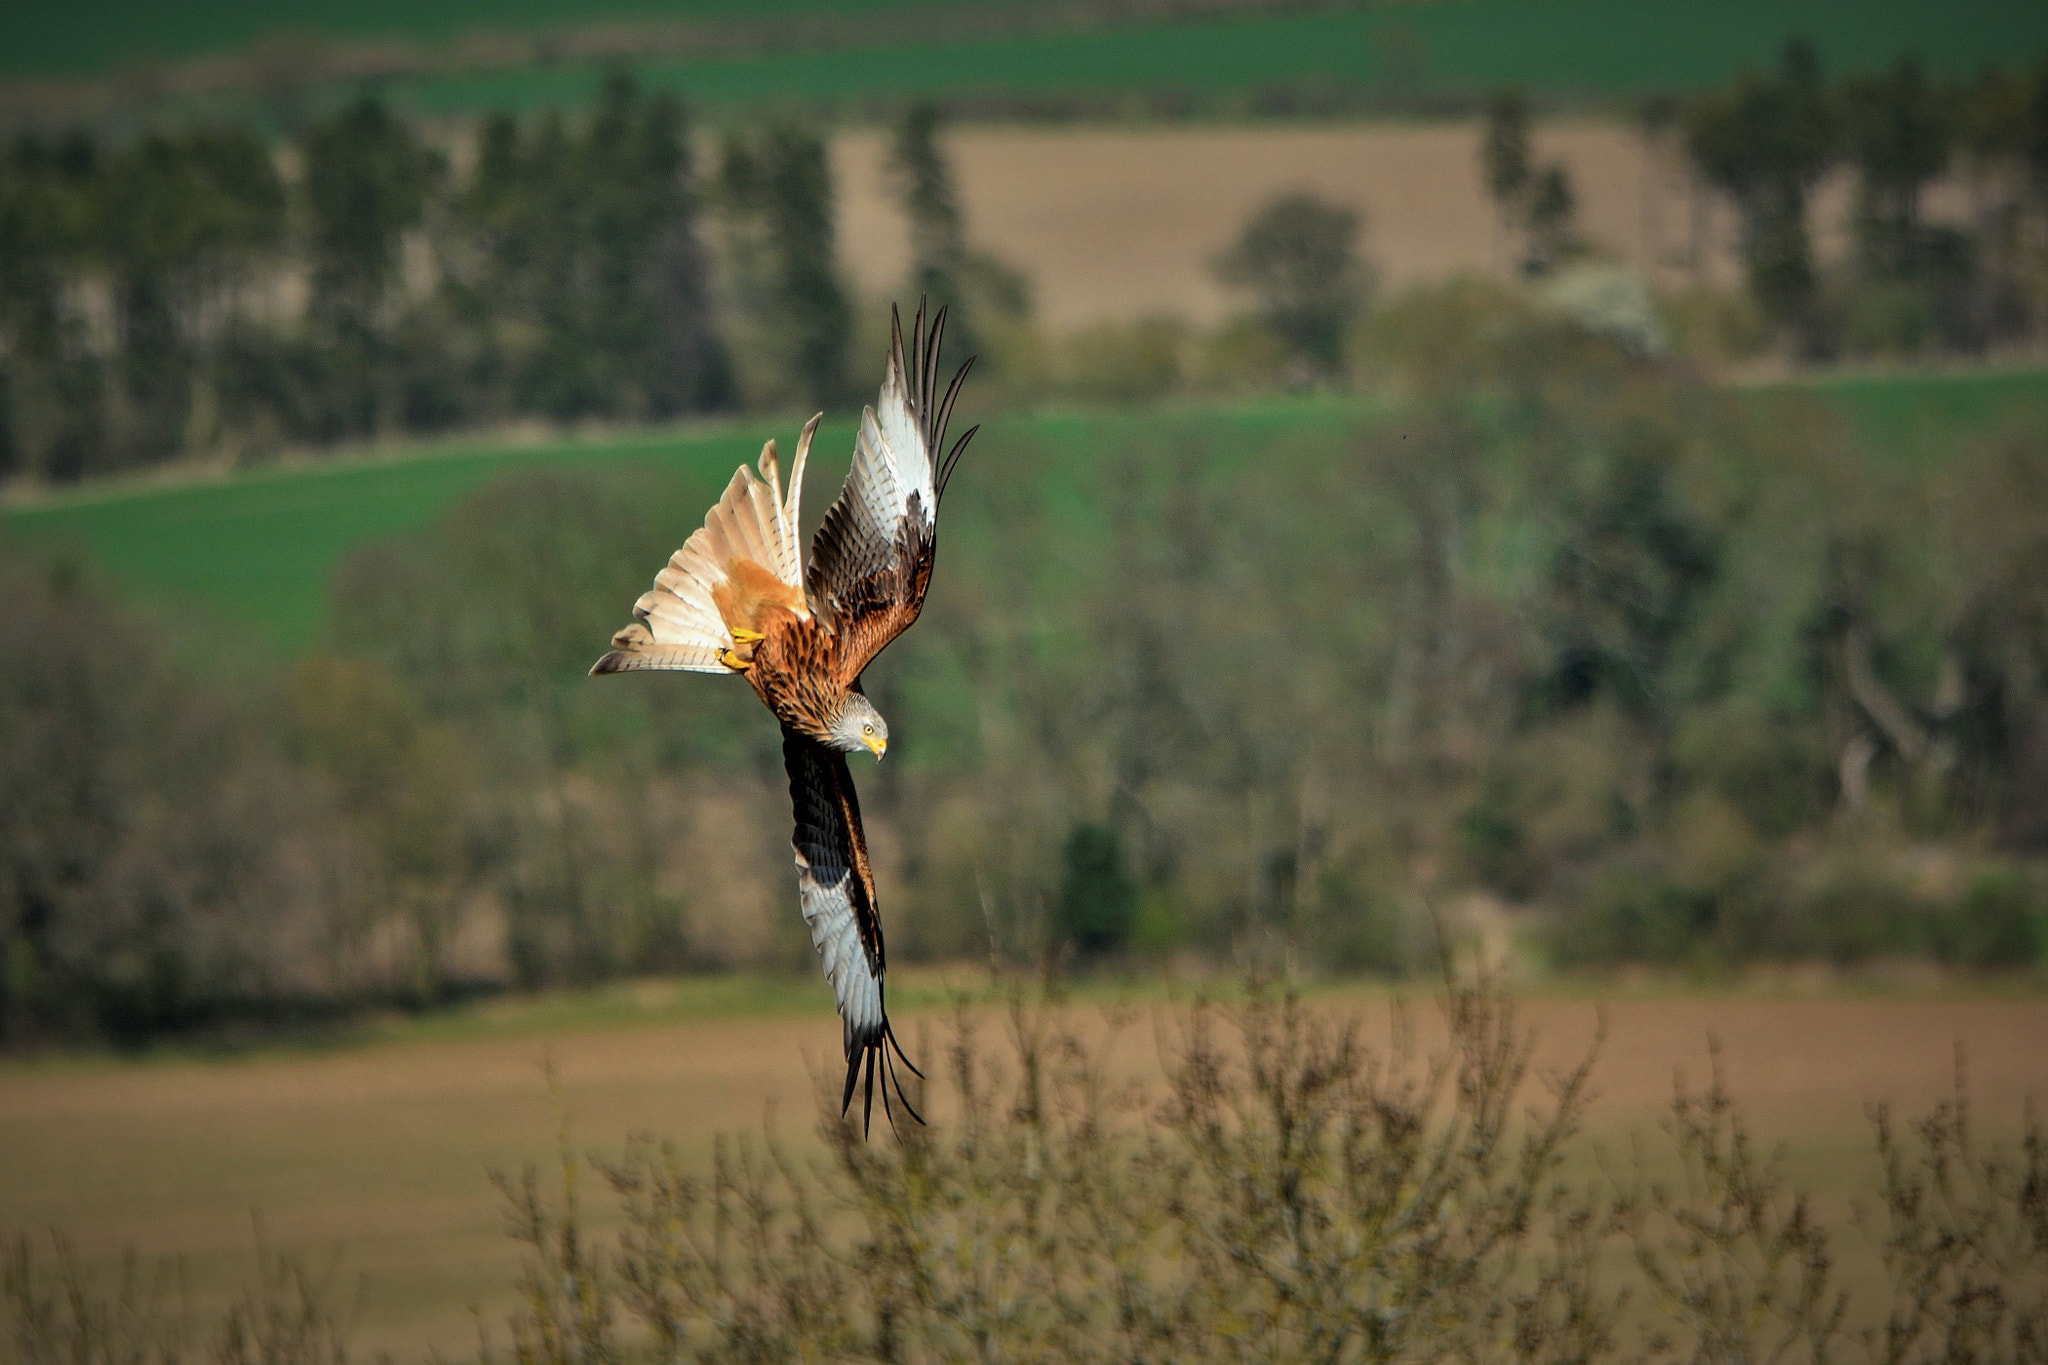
x=1583, y=47
x=53, y=40
x=1915, y=417
x=259, y=550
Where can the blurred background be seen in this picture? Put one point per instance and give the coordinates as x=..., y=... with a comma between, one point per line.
x=1559, y=485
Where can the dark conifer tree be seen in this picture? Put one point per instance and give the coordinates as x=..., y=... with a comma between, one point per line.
x=777, y=191
x=367, y=178
x=1766, y=144
x=1899, y=132
x=938, y=244
x=185, y=218
x=49, y=224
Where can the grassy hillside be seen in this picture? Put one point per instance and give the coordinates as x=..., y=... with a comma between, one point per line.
x=1585, y=47
x=56, y=40
x=258, y=549
x=1923, y=417
x=1595, y=47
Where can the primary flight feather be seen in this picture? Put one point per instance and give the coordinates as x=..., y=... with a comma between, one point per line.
x=739, y=598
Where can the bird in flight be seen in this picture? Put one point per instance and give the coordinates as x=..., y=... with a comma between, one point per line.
x=738, y=598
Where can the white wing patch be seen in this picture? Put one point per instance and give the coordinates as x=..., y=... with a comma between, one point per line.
x=828, y=910
x=901, y=439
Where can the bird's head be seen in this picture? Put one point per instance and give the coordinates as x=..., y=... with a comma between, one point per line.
x=860, y=726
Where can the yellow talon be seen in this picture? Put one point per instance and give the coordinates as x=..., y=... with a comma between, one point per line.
x=743, y=636
x=733, y=661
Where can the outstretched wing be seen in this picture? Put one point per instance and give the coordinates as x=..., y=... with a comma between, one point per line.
x=837, y=888
x=744, y=558
x=871, y=561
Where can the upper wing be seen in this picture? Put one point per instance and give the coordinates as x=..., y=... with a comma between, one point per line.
x=871, y=561
x=837, y=888
x=686, y=620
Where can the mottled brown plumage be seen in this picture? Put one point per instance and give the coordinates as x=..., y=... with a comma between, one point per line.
x=732, y=600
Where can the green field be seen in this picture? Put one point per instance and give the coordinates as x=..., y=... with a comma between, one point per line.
x=1573, y=47
x=257, y=550
x=1587, y=48
x=1924, y=417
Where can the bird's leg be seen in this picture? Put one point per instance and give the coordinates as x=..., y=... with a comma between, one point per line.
x=741, y=659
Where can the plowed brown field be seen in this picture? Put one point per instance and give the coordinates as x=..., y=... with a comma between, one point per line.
x=1116, y=223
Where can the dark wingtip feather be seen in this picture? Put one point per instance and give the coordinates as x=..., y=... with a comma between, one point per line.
x=946, y=469
x=928, y=382
x=896, y=346
x=610, y=663
x=889, y=1032
x=862, y=1060
x=867, y=1104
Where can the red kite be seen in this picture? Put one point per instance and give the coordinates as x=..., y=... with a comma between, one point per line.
x=732, y=601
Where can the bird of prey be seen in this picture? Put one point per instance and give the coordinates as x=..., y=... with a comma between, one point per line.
x=738, y=598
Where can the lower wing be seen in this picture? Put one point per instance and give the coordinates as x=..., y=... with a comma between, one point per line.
x=837, y=888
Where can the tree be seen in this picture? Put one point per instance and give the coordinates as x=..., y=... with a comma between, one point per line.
x=1552, y=208
x=49, y=223
x=1298, y=257
x=1098, y=903
x=1899, y=134
x=777, y=190
x=185, y=219
x=589, y=238
x=1766, y=144
x=938, y=248
x=2036, y=135
x=686, y=366
x=366, y=184
x=1504, y=154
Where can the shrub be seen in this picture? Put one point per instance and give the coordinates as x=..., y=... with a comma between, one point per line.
x=1634, y=913
x=53, y=1311
x=1126, y=363
x=1098, y=904
x=1288, y=1193
x=1298, y=258
x=1288, y=1196
x=1998, y=922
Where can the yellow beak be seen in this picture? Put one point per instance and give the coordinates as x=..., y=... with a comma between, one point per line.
x=879, y=745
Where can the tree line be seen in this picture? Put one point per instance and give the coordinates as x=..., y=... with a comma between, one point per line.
x=208, y=292
x=1767, y=140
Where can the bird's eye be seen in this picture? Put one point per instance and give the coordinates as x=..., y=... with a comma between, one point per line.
x=867, y=729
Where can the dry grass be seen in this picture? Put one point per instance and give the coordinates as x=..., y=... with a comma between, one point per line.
x=378, y=1153
x=1115, y=223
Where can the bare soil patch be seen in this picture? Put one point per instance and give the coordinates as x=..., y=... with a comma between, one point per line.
x=1117, y=223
